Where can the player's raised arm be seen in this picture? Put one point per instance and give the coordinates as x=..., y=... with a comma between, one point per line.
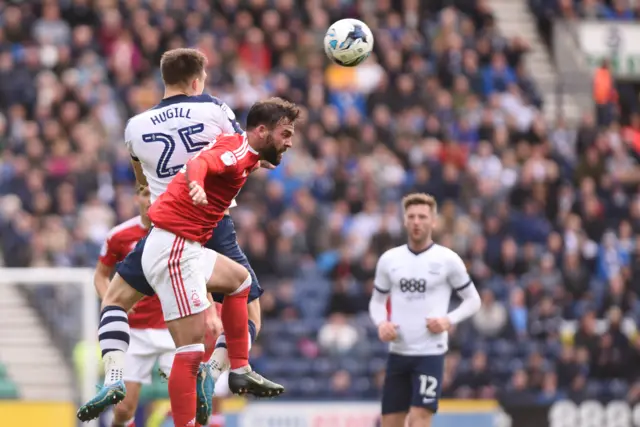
x=460, y=281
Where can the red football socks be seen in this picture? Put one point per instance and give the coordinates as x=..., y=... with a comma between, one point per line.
x=182, y=384
x=236, y=328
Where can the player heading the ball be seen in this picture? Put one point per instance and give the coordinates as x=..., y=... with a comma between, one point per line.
x=419, y=278
x=182, y=271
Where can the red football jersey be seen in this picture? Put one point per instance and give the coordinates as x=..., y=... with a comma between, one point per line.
x=221, y=169
x=147, y=313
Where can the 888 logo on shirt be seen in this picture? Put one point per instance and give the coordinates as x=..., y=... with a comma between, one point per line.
x=413, y=285
x=594, y=414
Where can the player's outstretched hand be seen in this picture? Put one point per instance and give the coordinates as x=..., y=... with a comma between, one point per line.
x=197, y=194
x=438, y=325
x=387, y=331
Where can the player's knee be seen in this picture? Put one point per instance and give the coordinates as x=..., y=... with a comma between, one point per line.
x=241, y=276
x=120, y=294
x=228, y=276
x=419, y=417
x=393, y=420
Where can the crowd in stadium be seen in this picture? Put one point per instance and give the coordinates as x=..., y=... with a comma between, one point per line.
x=544, y=214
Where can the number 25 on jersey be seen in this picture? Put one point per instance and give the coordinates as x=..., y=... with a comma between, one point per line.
x=163, y=170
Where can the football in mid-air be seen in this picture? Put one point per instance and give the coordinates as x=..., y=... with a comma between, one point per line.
x=348, y=42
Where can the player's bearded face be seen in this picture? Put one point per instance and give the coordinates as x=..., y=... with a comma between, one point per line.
x=271, y=153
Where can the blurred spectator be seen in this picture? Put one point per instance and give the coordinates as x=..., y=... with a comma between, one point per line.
x=544, y=319
x=604, y=94
x=337, y=336
x=549, y=392
x=477, y=382
x=491, y=320
x=517, y=392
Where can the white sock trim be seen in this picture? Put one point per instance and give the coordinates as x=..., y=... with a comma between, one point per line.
x=190, y=348
x=245, y=285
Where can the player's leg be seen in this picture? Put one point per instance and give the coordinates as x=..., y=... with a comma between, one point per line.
x=427, y=389
x=224, y=242
x=147, y=346
x=396, y=391
x=173, y=266
x=124, y=412
x=138, y=365
x=113, y=336
x=224, y=278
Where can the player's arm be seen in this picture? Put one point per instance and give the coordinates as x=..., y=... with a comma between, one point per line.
x=212, y=160
x=141, y=180
x=378, y=302
x=102, y=277
x=460, y=281
x=105, y=267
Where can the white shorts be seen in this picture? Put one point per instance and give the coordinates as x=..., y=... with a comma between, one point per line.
x=146, y=347
x=178, y=270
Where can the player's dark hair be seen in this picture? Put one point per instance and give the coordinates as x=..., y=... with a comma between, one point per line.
x=271, y=112
x=181, y=66
x=420, y=199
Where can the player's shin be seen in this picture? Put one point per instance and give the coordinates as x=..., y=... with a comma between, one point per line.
x=182, y=384
x=235, y=319
x=113, y=335
x=220, y=358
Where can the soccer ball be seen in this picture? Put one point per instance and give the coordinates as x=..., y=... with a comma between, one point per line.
x=348, y=42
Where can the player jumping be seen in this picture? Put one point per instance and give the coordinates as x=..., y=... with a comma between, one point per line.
x=419, y=277
x=150, y=341
x=161, y=140
x=195, y=119
x=180, y=268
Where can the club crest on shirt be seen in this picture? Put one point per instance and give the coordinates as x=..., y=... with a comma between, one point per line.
x=228, y=158
x=434, y=268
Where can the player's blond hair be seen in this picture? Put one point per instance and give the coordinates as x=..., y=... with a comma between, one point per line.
x=419, y=199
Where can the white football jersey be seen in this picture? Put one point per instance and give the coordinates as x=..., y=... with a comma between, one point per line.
x=420, y=287
x=165, y=137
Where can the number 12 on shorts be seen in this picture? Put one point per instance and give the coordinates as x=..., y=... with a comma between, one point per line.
x=428, y=386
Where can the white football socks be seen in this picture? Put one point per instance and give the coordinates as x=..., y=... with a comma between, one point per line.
x=113, y=367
